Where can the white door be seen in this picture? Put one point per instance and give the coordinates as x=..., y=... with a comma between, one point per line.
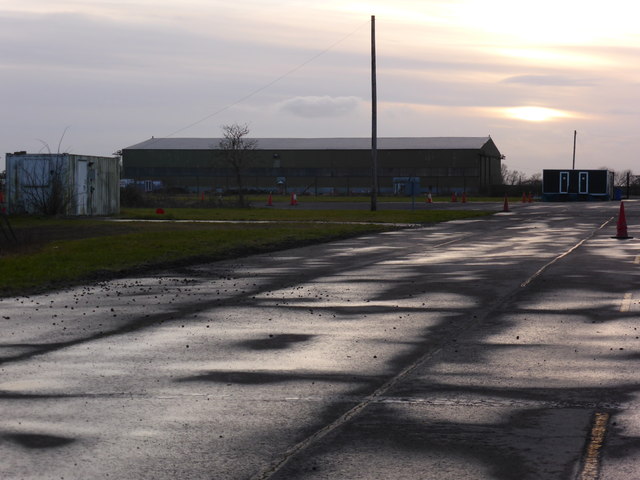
x=81, y=188
x=583, y=183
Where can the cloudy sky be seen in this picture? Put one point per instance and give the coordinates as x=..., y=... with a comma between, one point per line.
x=95, y=76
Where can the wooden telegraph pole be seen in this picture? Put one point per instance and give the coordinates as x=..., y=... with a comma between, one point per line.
x=374, y=119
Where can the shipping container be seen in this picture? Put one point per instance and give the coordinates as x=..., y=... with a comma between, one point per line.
x=62, y=184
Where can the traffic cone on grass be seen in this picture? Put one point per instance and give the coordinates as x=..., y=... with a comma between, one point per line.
x=270, y=201
x=622, y=233
x=505, y=208
x=429, y=199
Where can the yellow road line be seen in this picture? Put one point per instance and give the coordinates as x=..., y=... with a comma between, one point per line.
x=626, y=302
x=591, y=465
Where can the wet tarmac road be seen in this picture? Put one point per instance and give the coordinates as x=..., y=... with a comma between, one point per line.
x=495, y=348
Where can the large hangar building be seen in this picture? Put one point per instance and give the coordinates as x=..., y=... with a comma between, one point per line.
x=321, y=165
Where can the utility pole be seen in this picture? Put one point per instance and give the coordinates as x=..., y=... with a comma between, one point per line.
x=374, y=119
x=575, y=133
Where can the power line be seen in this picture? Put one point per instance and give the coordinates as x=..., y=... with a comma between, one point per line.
x=271, y=83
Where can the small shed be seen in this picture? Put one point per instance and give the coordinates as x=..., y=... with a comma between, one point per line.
x=62, y=184
x=575, y=185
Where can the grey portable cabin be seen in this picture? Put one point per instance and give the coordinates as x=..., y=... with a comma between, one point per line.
x=577, y=185
x=62, y=184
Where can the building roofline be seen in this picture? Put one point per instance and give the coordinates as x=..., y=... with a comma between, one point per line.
x=335, y=143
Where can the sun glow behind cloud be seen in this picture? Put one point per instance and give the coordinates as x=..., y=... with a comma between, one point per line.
x=534, y=114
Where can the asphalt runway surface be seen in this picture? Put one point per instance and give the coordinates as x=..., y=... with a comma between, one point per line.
x=505, y=347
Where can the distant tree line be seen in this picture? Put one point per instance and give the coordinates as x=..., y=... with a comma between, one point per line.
x=514, y=181
x=620, y=179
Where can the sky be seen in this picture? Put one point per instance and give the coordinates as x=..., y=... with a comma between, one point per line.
x=92, y=77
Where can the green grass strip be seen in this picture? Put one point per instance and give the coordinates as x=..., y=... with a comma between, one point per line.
x=293, y=215
x=69, y=251
x=68, y=261
x=261, y=199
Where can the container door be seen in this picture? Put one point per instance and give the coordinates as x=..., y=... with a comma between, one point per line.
x=564, y=182
x=583, y=182
x=81, y=188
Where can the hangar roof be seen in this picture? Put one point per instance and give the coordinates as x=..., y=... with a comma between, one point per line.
x=396, y=143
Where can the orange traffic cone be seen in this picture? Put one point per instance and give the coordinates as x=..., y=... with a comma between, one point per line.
x=269, y=201
x=524, y=198
x=454, y=198
x=429, y=199
x=622, y=225
x=506, y=204
x=464, y=197
x=294, y=199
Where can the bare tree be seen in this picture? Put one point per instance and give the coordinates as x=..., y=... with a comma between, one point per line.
x=511, y=177
x=3, y=186
x=44, y=186
x=533, y=183
x=620, y=178
x=45, y=145
x=238, y=151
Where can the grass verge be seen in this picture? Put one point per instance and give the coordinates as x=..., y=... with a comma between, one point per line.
x=285, y=215
x=58, y=252
x=261, y=199
x=108, y=256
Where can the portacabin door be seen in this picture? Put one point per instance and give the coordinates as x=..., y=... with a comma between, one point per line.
x=583, y=182
x=564, y=182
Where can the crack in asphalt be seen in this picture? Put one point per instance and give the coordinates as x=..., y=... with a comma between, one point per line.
x=275, y=466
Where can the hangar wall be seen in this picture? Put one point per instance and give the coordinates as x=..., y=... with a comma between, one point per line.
x=320, y=166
